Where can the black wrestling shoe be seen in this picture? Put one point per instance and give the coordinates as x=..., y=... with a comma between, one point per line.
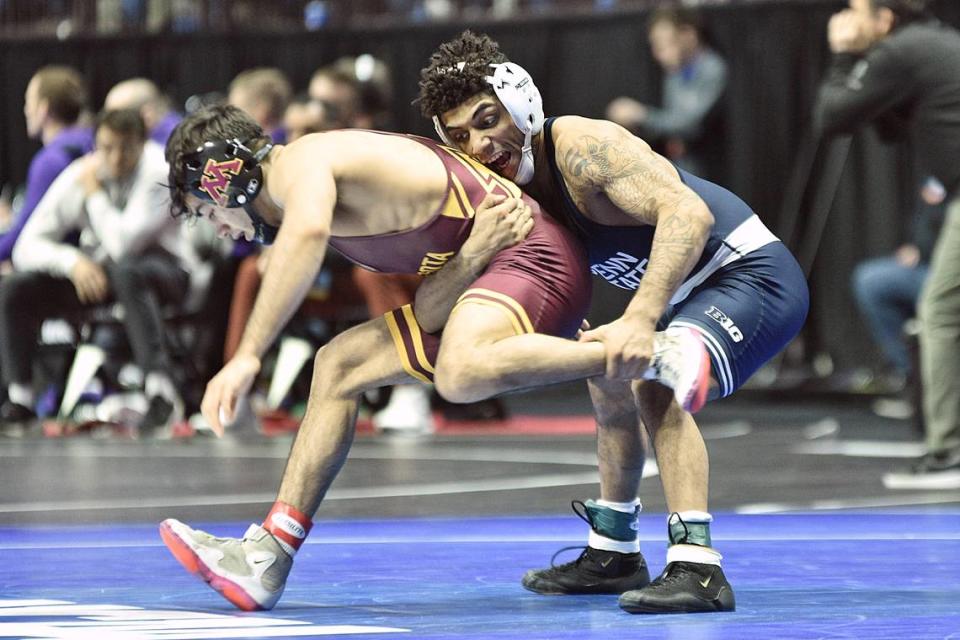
x=683, y=587
x=157, y=423
x=595, y=571
x=16, y=419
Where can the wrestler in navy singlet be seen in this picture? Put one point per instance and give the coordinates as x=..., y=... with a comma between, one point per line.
x=746, y=296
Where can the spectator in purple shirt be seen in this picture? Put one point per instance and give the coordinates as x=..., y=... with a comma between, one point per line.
x=56, y=97
x=143, y=95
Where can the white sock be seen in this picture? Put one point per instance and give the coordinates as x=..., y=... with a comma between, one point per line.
x=622, y=507
x=597, y=541
x=21, y=394
x=693, y=553
x=699, y=517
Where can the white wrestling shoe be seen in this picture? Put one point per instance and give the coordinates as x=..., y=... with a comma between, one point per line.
x=250, y=572
x=680, y=361
x=407, y=412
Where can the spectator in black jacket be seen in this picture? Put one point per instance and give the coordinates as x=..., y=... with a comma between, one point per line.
x=896, y=67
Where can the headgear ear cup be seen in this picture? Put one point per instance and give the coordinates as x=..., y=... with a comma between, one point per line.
x=515, y=89
x=228, y=174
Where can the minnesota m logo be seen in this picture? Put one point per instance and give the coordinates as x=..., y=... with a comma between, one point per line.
x=216, y=178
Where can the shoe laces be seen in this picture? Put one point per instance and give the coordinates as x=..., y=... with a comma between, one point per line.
x=580, y=509
x=671, y=574
x=583, y=555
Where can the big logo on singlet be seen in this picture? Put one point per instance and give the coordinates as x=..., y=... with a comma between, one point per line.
x=216, y=178
x=458, y=204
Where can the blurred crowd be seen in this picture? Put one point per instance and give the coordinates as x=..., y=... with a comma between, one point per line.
x=156, y=307
x=66, y=18
x=112, y=313
x=91, y=257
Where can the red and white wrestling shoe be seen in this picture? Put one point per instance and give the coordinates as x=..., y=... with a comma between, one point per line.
x=681, y=362
x=250, y=572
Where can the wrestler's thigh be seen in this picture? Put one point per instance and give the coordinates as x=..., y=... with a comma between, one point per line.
x=361, y=358
x=471, y=327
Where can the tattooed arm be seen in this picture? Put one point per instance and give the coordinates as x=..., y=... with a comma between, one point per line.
x=602, y=161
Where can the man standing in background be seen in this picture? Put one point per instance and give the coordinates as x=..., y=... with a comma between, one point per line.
x=899, y=69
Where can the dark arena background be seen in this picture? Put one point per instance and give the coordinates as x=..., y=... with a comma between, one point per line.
x=429, y=528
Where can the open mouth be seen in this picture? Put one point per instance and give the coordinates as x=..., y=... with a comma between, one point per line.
x=499, y=161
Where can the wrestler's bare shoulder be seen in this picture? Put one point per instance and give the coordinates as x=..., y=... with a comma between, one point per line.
x=577, y=132
x=356, y=154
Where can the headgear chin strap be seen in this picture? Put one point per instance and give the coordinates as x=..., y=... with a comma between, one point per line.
x=514, y=88
x=227, y=174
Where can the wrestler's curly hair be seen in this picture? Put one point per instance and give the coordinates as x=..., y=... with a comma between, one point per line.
x=457, y=71
x=210, y=124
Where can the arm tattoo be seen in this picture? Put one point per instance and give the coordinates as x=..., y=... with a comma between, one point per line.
x=625, y=173
x=596, y=160
x=631, y=178
x=677, y=244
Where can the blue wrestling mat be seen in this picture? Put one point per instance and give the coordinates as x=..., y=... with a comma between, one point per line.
x=873, y=575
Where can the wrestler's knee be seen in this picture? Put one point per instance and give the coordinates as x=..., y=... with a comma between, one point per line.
x=462, y=376
x=331, y=369
x=655, y=403
x=613, y=404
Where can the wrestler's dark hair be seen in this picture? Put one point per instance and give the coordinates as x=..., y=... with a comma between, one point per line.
x=905, y=10
x=210, y=124
x=126, y=122
x=457, y=72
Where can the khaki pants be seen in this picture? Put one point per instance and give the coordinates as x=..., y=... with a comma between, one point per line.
x=940, y=338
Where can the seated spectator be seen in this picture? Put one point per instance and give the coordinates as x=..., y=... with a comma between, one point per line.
x=695, y=77
x=887, y=290
x=130, y=252
x=143, y=95
x=338, y=92
x=263, y=93
x=55, y=99
x=303, y=116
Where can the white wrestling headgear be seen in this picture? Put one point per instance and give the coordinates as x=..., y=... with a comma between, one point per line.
x=514, y=87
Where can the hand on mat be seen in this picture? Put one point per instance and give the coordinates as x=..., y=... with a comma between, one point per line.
x=500, y=222
x=628, y=344
x=219, y=405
